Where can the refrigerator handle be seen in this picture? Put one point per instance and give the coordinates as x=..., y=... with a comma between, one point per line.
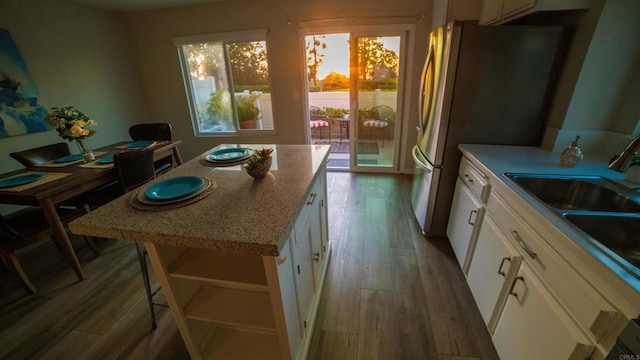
x=426, y=80
x=419, y=161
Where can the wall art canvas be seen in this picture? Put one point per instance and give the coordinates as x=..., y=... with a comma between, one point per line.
x=20, y=112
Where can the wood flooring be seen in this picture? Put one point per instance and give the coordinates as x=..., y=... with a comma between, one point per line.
x=389, y=292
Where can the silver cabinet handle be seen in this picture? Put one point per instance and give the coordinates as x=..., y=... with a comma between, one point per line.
x=466, y=176
x=524, y=245
x=504, y=259
x=470, y=215
x=312, y=199
x=513, y=284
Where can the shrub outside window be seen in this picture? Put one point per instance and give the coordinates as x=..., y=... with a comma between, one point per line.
x=226, y=78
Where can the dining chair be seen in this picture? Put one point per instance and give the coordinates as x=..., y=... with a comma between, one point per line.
x=318, y=119
x=42, y=154
x=27, y=227
x=380, y=117
x=133, y=168
x=156, y=132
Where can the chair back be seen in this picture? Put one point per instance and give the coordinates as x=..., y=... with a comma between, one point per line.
x=42, y=154
x=151, y=131
x=134, y=168
x=383, y=112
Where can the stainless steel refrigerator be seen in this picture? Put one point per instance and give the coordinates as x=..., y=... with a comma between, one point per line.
x=480, y=85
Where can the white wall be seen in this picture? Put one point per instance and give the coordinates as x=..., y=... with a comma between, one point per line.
x=78, y=56
x=157, y=58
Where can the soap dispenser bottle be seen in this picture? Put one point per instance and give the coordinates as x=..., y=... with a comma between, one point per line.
x=633, y=173
x=571, y=155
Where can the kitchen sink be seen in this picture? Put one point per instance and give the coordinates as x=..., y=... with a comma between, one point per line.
x=618, y=232
x=604, y=212
x=591, y=193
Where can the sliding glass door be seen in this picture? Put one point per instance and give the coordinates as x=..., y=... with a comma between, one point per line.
x=354, y=96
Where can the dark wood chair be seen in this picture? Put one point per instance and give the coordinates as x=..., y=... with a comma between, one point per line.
x=155, y=132
x=134, y=168
x=42, y=154
x=27, y=227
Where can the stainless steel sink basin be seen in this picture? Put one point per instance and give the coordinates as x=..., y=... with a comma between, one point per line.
x=606, y=214
x=577, y=192
x=620, y=233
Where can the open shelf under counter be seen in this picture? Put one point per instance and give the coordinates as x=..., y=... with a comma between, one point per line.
x=251, y=310
x=226, y=343
x=221, y=268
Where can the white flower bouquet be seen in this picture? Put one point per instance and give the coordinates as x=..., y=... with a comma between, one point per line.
x=70, y=123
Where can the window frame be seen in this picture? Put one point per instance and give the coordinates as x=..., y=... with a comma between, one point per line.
x=224, y=38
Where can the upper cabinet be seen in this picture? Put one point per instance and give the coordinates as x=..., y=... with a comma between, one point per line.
x=447, y=10
x=494, y=12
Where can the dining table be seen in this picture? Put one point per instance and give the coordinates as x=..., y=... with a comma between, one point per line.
x=68, y=181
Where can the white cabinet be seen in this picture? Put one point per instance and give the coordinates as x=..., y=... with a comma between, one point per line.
x=533, y=326
x=466, y=212
x=233, y=305
x=447, y=10
x=501, y=11
x=494, y=264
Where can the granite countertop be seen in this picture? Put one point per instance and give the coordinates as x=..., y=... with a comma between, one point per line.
x=242, y=214
x=567, y=241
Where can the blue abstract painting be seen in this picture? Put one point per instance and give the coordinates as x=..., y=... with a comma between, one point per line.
x=20, y=112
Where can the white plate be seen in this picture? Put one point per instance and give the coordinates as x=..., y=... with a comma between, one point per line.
x=143, y=199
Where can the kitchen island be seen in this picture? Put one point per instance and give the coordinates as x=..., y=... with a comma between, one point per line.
x=242, y=268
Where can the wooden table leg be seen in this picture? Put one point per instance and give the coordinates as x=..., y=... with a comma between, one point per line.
x=49, y=210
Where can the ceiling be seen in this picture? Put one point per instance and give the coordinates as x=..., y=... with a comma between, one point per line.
x=138, y=5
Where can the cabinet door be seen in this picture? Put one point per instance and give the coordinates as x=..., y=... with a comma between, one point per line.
x=533, y=326
x=491, y=12
x=493, y=262
x=466, y=212
x=512, y=7
x=303, y=271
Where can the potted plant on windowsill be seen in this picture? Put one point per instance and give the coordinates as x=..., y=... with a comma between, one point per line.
x=248, y=112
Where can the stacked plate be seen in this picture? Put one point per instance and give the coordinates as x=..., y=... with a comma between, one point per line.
x=173, y=190
x=105, y=160
x=229, y=156
x=140, y=144
x=68, y=158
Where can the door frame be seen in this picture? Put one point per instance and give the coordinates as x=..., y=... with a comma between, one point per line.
x=407, y=33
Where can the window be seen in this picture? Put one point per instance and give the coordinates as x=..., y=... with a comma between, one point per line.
x=226, y=77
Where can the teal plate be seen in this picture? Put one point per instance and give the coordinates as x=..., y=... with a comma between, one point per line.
x=20, y=180
x=229, y=154
x=140, y=144
x=174, y=188
x=105, y=160
x=68, y=158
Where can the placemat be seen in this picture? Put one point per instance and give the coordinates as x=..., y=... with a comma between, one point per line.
x=155, y=143
x=136, y=204
x=54, y=164
x=94, y=165
x=48, y=178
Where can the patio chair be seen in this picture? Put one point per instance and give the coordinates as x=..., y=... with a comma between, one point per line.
x=380, y=117
x=155, y=132
x=318, y=119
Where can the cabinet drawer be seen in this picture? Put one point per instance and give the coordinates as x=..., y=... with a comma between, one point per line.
x=589, y=309
x=474, y=179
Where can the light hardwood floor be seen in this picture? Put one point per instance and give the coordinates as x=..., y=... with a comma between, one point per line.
x=389, y=293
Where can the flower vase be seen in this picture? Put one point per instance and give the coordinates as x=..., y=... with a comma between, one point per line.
x=85, y=150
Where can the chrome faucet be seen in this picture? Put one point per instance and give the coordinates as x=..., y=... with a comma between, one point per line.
x=619, y=162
